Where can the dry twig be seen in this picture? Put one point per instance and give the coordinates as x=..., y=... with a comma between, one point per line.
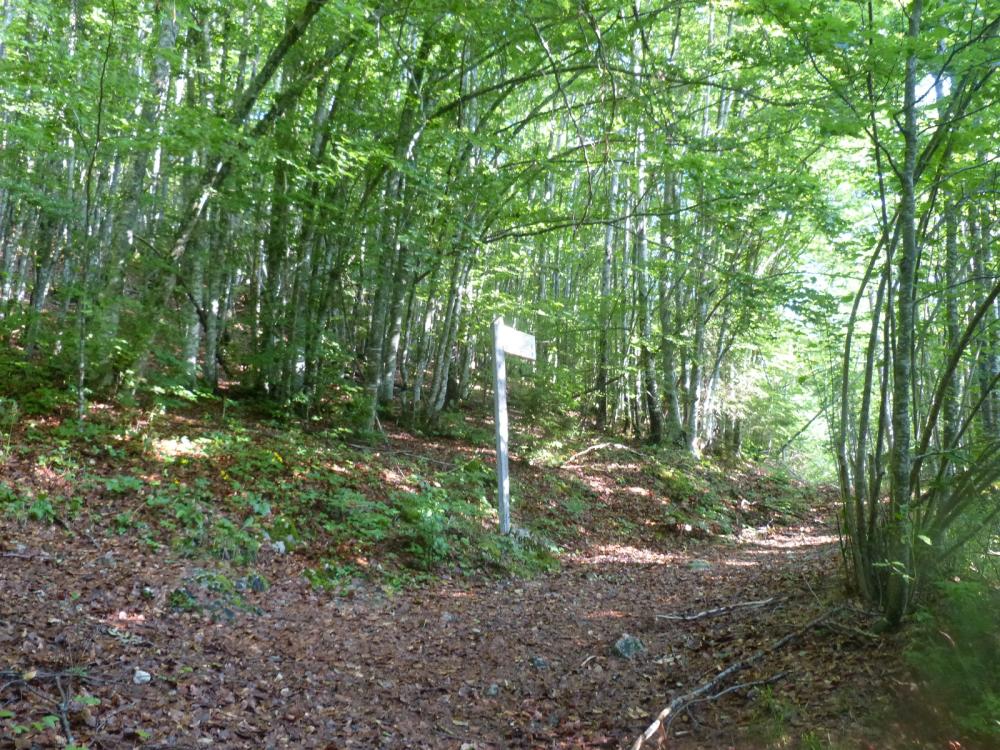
x=62, y=707
x=25, y=556
x=690, y=617
x=658, y=727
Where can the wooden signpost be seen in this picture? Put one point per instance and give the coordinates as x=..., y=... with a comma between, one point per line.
x=506, y=340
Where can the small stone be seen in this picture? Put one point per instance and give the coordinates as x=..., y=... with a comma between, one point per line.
x=699, y=565
x=278, y=547
x=493, y=690
x=628, y=646
x=448, y=617
x=539, y=663
x=141, y=677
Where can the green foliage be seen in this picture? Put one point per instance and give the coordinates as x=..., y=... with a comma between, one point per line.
x=123, y=484
x=955, y=652
x=45, y=400
x=457, y=426
x=28, y=506
x=217, y=594
x=679, y=482
x=332, y=576
x=426, y=517
x=230, y=541
x=10, y=414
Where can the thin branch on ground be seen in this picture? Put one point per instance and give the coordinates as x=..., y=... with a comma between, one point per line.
x=691, y=616
x=836, y=627
x=62, y=706
x=733, y=689
x=25, y=556
x=658, y=727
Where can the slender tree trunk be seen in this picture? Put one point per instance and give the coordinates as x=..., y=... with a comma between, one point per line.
x=604, y=346
x=901, y=458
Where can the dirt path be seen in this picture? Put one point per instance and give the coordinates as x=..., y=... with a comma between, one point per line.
x=457, y=664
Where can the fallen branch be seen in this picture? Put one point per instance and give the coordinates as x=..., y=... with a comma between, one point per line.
x=25, y=556
x=849, y=630
x=721, y=610
x=658, y=727
x=734, y=688
x=63, y=707
x=599, y=447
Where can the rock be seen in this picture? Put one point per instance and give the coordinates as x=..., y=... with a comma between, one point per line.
x=539, y=663
x=699, y=565
x=628, y=646
x=141, y=677
x=493, y=690
x=278, y=547
x=448, y=617
x=253, y=582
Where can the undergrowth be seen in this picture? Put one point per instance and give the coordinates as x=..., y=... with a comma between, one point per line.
x=205, y=476
x=233, y=493
x=955, y=653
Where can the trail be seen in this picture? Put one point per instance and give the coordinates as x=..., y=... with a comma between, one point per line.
x=455, y=664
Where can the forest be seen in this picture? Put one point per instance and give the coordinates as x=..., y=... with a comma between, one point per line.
x=251, y=257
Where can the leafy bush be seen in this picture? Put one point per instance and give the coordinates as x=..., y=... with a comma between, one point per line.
x=956, y=654
x=425, y=523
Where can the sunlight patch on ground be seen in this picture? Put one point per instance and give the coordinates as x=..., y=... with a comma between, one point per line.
x=767, y=536
x=613, y=467
x=795, y=542
x=398, y=480
x=623, y=553
x=182, y=446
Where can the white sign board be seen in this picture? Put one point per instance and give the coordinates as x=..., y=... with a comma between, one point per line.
x=515, y=342
x=506, y=340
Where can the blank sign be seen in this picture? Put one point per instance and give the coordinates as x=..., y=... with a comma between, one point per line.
x=516, y=342
x=506, y=340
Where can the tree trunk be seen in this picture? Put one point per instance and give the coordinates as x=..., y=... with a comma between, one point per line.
x=901, y=459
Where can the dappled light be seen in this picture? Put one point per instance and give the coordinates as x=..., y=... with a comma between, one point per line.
x=525, y=375
x=620, y=553
x=177, y=447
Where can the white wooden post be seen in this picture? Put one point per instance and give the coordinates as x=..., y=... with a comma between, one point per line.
x=500, y=420
x=505, y=340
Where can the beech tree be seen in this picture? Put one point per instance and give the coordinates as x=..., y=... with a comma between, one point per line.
x=326, y=203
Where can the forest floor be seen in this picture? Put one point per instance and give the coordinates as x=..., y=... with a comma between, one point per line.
x=110, y=639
